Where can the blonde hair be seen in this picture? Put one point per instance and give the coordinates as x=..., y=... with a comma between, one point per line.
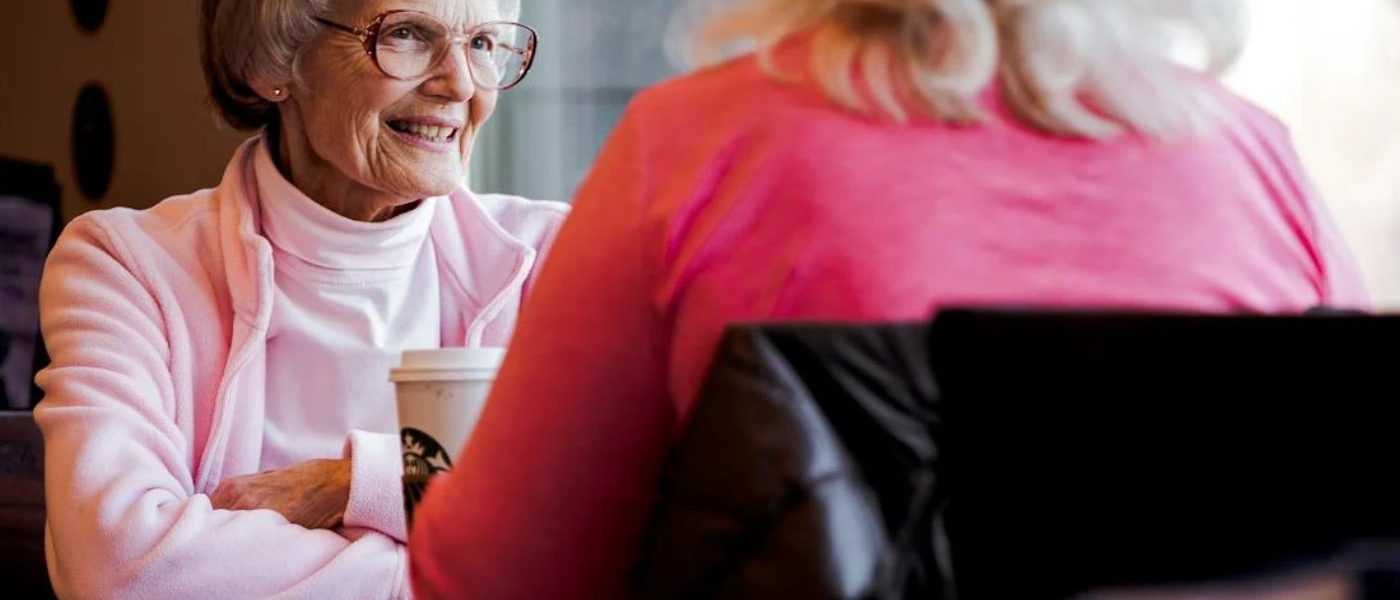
x=1079, y=68
x=244, y=41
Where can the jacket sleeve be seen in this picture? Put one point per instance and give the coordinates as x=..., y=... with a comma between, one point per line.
x=376, y=489
x=124, y=518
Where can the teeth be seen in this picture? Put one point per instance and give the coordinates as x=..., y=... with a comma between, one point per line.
x=429, y=132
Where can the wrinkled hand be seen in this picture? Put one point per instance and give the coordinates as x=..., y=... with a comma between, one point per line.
x=312, y=494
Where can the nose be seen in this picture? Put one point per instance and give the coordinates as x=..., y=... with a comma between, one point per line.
x=452, y=78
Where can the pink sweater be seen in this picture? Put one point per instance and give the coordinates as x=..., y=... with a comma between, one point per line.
x=157, y=323
x=724, y=196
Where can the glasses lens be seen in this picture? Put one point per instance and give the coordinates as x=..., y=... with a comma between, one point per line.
x=409, y=43
x=500, y=54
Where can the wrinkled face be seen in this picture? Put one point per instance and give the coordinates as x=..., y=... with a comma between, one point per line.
x=377, y=137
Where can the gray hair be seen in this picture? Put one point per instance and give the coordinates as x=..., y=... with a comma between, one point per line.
x=245, y=41
x=1080, y=68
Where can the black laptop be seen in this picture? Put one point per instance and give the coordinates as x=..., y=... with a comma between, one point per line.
x=1090, y=449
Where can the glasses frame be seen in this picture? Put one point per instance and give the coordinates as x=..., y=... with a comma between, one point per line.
x=369, y=38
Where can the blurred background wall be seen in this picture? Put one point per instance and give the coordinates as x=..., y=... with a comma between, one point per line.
x=146, y=56
x=1330, y=69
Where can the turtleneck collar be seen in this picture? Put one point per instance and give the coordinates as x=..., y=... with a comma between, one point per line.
x=300, y=226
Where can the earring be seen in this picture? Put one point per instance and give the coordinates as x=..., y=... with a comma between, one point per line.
x=277, y=91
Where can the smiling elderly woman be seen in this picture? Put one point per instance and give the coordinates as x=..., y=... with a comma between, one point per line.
x=218, y=418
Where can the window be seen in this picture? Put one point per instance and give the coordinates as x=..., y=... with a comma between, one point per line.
x=593, y=56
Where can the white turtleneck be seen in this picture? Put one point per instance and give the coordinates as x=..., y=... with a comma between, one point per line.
x=349, y=297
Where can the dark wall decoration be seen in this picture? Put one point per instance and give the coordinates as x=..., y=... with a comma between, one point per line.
x=89, y=13
x=94, y=142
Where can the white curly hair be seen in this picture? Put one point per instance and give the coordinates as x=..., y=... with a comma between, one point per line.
x=1082, y=68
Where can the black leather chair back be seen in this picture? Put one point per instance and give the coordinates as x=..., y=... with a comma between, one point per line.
x=806, y=471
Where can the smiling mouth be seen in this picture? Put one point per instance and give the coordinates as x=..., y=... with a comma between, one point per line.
x=431, y=133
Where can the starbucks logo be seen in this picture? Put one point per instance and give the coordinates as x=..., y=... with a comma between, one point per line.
x=422, y=455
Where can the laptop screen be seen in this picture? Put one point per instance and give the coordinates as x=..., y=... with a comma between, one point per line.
x=1085, y=449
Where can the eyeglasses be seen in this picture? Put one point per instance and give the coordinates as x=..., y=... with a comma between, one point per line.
x=407, y=44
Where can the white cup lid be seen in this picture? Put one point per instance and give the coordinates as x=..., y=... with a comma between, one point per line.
x=449, y=359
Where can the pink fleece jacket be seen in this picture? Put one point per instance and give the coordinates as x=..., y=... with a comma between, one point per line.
x=725, y=196
x=156, y=322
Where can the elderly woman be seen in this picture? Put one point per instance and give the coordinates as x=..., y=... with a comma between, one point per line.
x=218, y=417
x=876, y=159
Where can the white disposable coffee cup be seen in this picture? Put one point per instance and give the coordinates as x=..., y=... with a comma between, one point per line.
x=440, y=395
